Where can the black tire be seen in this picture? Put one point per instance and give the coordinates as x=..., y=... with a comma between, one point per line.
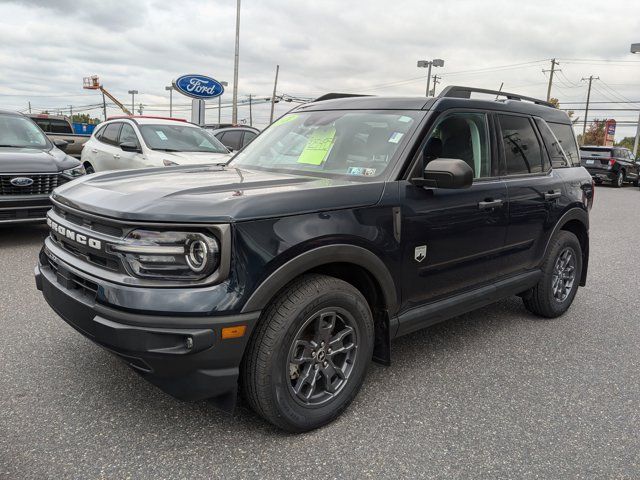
x=268, y=376
x=88, y=168
x=636, y=182
x=619, y=180
x=542, y=299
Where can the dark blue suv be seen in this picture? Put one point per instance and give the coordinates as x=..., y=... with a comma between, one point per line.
x=348, y=222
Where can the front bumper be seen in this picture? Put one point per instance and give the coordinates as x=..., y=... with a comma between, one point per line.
x=24, y=208
x=184, y=356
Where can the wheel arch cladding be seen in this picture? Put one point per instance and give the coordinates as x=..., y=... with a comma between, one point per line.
x=576, y=221
x=353, y=264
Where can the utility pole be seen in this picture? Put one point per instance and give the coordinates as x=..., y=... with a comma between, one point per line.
x=170, y=89
x=586, y=110
x=104, y=107
x=273, y=97
x=29, y=107
x=436, y=81
x=250, y=113
x=234, y=114
x=551, y=72
x=436, y=62
x=637, y=140
x=140, y=108
x=70, y=111
x=224, y=84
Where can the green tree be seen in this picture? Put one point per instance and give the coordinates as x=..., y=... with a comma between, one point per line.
x=626, y=142
x=84, y=118
x=595, y=133
x=556, y=103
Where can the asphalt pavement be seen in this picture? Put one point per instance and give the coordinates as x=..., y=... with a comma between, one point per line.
x=496, y=393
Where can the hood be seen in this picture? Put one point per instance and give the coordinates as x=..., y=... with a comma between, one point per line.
x=211, y=194
x=195, y=158
x=32, y=160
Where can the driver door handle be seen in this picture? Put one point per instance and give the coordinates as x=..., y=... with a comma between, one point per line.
x=93, y=150
x=552, y=195
x=489, y=203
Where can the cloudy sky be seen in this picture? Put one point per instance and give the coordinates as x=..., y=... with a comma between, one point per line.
x=366, y=46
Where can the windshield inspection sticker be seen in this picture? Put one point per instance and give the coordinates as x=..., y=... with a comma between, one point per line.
x=361, y=171
x=161, y=134
x=395, y=137
x=404, y=119
x=318, y=146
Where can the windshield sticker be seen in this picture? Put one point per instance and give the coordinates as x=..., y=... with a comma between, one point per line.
x=161, y=134
x=318, y=146
x=285, y=119
x=361, y=171
x=395, y=137
x=404, y=119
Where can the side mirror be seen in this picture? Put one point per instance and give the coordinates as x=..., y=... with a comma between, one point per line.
x=230, y=149
x=61, y=144
x=446, y=173
x=130, y=147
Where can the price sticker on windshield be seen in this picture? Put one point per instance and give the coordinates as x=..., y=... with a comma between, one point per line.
x=161, y=134
x=318, y=146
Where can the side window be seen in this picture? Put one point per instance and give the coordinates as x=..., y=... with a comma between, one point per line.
x=110, y=133
x=60, y=126
x=128, y=134
x=232, y=139
x=45, y=125
x=248, y=138
x=557, y=154
x=463, y=136
x=566, y=137
x=521, y=147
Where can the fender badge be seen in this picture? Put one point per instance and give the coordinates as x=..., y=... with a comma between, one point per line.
x=420, y=253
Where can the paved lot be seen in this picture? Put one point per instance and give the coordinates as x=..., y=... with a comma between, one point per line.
x=496, y=393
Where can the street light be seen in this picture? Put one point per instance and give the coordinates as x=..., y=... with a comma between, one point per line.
x=224, y=84
x=133, y=94
x=170, y=90
x=436, y=62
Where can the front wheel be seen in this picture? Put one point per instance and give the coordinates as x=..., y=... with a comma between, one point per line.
x=308, y=358
x=561, y=273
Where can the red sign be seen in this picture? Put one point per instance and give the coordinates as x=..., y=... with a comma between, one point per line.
x=609, y=132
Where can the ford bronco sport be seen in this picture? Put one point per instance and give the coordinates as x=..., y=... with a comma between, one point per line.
x=348, y=222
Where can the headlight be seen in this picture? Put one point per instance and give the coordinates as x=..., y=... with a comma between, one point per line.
x=170, y=255
x=74, y=172
x=168, y=163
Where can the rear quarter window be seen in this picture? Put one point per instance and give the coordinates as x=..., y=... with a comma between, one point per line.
x=567, y=138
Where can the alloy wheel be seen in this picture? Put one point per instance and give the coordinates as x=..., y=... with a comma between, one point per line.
x=322, y=356
x=564, y=274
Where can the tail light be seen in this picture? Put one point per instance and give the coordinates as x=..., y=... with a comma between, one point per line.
x=612, y=162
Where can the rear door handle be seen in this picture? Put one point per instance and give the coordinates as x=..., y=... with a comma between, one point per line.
x=116, y=156
x=93, y=150
x=552, y=195
x=487, y=204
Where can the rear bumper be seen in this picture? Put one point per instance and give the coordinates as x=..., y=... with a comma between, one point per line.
x=184, y=356
x=603, y=175
x=24, y=209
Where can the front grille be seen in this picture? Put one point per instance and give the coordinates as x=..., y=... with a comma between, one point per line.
x=23, y=214
x=43, y=184
x=89, y=222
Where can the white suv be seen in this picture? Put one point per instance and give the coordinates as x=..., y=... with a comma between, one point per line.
x=138, y=142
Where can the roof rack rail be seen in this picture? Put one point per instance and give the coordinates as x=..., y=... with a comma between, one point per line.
x=455, y=91
x=331, y=96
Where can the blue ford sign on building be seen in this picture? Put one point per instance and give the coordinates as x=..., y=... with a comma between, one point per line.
x=198, y=86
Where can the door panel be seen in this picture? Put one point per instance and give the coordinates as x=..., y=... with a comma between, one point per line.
x=463, y=240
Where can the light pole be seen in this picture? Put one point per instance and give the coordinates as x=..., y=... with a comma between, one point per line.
x=133, y=94
x=234, y=114
x=436, y=62
x=224, y=84
x=170, y=90
x=635, y=48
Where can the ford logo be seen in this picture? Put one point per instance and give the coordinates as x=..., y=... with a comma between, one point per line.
x=21, y=182
x=198, y=86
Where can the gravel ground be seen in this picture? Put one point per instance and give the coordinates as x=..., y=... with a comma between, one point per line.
x=497, y=393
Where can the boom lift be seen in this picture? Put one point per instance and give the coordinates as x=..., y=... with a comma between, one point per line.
x=93, y=83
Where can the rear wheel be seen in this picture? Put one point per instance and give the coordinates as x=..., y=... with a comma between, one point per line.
x=561, y=273
x=309, y=356
x=619, y=181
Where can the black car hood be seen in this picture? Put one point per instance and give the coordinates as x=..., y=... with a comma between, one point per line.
x=209, y=194
x=33, y=160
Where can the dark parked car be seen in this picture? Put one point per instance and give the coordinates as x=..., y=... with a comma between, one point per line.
x=610, y=164
x=235, y=138
x=348, y=223
x=31, y=166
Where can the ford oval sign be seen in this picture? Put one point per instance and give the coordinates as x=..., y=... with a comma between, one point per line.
x=198, y=86
x=21, y=182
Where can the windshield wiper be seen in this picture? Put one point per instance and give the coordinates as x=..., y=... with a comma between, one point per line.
x=167, y=150
x=14, y=146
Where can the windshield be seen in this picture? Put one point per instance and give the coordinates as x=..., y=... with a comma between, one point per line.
x=180, y=138
x=330, y=143
x=20, y=132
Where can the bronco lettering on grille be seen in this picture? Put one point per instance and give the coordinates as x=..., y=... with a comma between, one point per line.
x=74, y=236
